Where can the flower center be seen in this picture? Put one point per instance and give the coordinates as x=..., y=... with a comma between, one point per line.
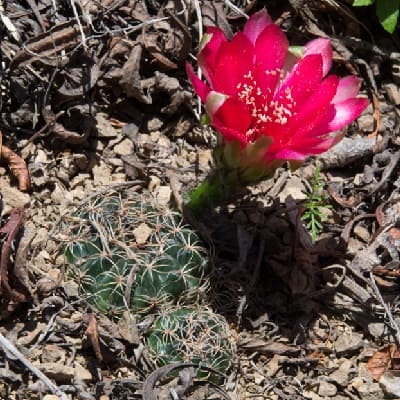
x=263, y=106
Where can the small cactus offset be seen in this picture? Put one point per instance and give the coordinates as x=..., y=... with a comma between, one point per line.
x=191, y=334
x=128, y=252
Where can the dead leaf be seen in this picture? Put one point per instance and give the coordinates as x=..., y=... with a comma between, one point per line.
x=379, y=363
x=261, y=346
x=92, y=332
x=17, y=166
x=350, y=202
x=11, y=230
x=131, y=82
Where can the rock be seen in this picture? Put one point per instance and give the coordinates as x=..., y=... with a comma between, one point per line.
x=393, y=92
x=205, y=159
x=370, y=391
x=64, y=374
x=118, y=178
x=79, y=180
x=348, y=342
x=41, y=235
x=115, y=162
x=124, y=148
x=51, y=397
x=342, y=375
x=390, y=384
x=31, y=336
x=163, y=195
x=41, y=157
x=377, y=329
x=59, y=194
x=142, y=233
x=308, y=394
x=59, y=372
x=52, y=353
x=154, y=124
x=362, y=233
x=104, y=127
x=295, y=188
x=273, y=365
x=366, y=123
x=258, y=378
x=327, y=389
x=12, y=197
x=101, y=174
x=131, y=130
x=71, y=289
x=82, y=374
x=49, y=282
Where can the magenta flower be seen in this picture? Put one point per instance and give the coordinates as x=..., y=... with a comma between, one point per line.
x=276, y=104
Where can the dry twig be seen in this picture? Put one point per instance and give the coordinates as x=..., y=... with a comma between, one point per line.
x=11, y=349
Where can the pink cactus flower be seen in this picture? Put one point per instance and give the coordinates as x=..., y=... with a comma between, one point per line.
x=259, y=91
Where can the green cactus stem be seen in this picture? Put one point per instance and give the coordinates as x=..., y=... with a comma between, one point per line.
x=128, y=252
x=194, y=335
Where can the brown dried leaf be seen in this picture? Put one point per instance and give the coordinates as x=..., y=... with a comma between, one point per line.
x=378, y=364
x=264, y=347
x=20, y=270
x=350, y=202
x=131, y=80
x=10, y=229
x=92, y=332
x=17, y=166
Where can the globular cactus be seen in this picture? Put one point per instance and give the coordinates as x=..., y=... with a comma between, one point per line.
x=191, y=334
x=128, y=252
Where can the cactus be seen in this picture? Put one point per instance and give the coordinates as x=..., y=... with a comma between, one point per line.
x=119, y=268
x=190, y=334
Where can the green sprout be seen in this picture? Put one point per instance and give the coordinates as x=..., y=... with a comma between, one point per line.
x=313, y=215
x=386, y=10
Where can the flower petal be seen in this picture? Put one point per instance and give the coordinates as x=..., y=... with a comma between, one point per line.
x=256, y=24
x=214, y=101
x=288, y=154
x=270, y=54
x=348, y=87
x=231, y=134
x=234, y=60
x=346, y=112
x=315, y=108
x=232, y=120
x=209, y=47
x=297, y=134
x=301, y=82
x=323, y=47
x=199, y=86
